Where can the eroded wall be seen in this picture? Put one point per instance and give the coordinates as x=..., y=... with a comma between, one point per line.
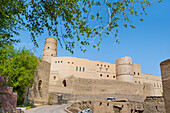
x=39, y=91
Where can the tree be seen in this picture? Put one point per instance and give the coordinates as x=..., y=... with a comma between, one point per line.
x=18, y=66
x=70, y=21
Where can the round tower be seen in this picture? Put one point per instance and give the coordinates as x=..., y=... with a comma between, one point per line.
x=124, y=69
x=50, y=49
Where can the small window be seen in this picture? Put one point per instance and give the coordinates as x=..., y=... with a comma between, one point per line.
x=139, y=82
x=58, y=61
x=40, y=85
x=134, y=73
x=48, y=47
x=135, y=81
x=97, y=64
x=68, y=62
x=101, y=65
x=113, y=76
x=138, y=73
x=101, y=75
x=104, y=65
x=107, y=104
x=79, y=68
x=55, y=61
x=54, y=77
x=51, y=54
x=83, y=69
x=64, y=83
x=108, y=66
x=154, y=85
x=72, y=62
x=76, y=68
x=107, y=75
x=61, y=61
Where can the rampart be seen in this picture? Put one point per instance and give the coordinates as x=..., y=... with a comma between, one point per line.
x=81, y=88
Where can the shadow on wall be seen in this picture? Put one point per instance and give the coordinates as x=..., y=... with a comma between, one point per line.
x=165, y=73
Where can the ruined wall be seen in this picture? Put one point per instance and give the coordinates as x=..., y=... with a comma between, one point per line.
x=39, y=91
x=165, y=72
x=101, y=106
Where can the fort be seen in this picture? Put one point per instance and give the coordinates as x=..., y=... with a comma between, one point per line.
x=83, y=79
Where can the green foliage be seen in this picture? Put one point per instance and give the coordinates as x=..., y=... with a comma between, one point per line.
x=70, y=21
x=18, y=66
x=24, y=105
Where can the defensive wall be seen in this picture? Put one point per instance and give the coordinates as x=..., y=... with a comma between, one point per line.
x=38, y=92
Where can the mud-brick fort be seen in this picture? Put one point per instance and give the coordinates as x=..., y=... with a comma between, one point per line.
x=83, y=79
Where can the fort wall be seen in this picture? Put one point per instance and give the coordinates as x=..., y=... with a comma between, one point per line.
x=39, y=91
x=90, y=87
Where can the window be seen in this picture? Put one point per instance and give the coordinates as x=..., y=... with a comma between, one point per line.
x=113, y=76
x=104, y=65
x=97, y=64
x=68, y=62
x=135, y=81
x=107, y=75
x=79, y=68
x=72, y=62
x=134, y=73
x=64, y=83
x=51, y=54
x=55, y=61
x=83, y=69
x=58, y=61
x=139, y=82
x=108, y=66
x=101, y=75
x=54, y=77
x=154, y=85
x=48, y=47
x=61, y=61
x=101, y=65
x=40, y=85
x=76, y=68
x=138, y=73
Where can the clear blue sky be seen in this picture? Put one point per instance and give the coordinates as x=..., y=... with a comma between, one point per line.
x=148, y=44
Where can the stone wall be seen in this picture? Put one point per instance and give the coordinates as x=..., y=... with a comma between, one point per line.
x=8, y=98
x=165, y=72
x=91, y=88
x=39, y=91
x=119, y=106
